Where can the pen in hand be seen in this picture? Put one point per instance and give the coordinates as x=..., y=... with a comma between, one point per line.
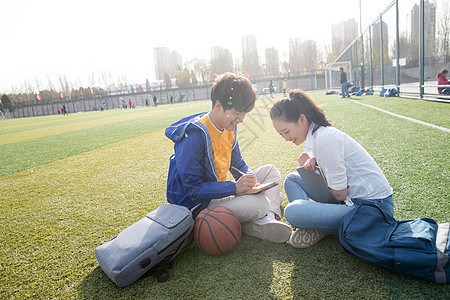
x=242, y=173
x=237, y=170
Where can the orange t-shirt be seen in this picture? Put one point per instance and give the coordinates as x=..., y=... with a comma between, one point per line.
x=222, y=144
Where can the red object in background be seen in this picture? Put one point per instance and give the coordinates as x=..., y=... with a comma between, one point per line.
x=38, y=97
x=81, y=92
x=20, y=99
x=92, y=91
x=61, y=95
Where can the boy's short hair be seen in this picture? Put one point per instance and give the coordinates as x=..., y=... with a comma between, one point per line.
x=233, y=92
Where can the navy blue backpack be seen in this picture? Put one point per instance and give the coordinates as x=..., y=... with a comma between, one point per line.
x=418, y=247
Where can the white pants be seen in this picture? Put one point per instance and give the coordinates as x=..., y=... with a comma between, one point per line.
x=252, y=207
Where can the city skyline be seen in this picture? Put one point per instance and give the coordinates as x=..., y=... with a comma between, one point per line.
x=111, y=38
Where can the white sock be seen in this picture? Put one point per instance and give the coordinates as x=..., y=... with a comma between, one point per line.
x=271, y=214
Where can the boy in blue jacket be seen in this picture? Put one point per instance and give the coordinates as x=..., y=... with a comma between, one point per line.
x=206, y=148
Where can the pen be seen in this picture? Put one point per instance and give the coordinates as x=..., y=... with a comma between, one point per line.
x=242, y=173
x=237, y=170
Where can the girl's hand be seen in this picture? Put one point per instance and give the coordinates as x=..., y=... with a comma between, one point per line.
x=310, y=164
x=302, y=158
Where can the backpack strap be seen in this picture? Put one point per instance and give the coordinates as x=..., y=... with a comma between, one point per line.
x=196, y=210
x=161, y=271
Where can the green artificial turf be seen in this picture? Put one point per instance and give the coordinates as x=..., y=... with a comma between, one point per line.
x=63, y=195
x=34, y=152
x=432, y=112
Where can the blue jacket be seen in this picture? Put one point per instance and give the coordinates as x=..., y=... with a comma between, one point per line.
x=192, y=175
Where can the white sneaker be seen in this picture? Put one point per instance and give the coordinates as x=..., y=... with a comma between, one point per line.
x=268, y=229
x=303, y=238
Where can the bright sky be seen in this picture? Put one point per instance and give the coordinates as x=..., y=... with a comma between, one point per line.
x=76, y=38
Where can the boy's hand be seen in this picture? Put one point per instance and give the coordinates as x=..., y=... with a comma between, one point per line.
x=245, y=183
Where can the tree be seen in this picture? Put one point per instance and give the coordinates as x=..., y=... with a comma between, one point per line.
x=6, y=104
x=38, y=84
x=167, y=81
x=309, y=55
x=444, y=31
x=193, y=78
x=272, y=61
x=285, y=68
x=182, y=78
x=199, y=67
x=64, y=85
x=106, y=81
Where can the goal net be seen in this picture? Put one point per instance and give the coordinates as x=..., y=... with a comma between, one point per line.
x=333, y=75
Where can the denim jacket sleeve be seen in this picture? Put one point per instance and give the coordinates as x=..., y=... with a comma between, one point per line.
x=197, y=171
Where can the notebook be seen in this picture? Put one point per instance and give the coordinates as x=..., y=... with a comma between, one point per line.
x=317, y=184
x=260, y=188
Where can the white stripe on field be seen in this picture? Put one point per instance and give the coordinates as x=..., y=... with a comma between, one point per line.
x=403, y=117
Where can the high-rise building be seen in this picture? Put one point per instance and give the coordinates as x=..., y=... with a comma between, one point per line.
x=309, y=50
x=272, y=61
x=302, y=55
x=166, y=61
x=342, y=35
x=250, y=61
x=295, y=55
x=429, y=27
x=221, y=61
x=376, y=39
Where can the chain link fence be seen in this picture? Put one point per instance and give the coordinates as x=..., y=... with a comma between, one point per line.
x=309, y=80
x=405, y=47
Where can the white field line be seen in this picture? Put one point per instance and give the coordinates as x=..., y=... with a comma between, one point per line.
x=403, y=117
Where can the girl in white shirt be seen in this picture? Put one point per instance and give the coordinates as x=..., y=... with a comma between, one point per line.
x=352, y=175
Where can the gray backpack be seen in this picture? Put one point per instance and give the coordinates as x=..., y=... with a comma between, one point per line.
x=161, y=235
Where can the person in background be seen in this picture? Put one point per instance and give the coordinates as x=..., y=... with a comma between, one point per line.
x=64, y=110
x=442, y=80
x=271, y=89
x=344, y=83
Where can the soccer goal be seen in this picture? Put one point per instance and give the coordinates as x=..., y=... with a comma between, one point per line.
x=333, y=75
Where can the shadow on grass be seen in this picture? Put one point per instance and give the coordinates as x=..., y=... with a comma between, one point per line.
x=261, y=270
x=246, y=272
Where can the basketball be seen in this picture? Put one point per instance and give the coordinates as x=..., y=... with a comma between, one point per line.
x=217, y=230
